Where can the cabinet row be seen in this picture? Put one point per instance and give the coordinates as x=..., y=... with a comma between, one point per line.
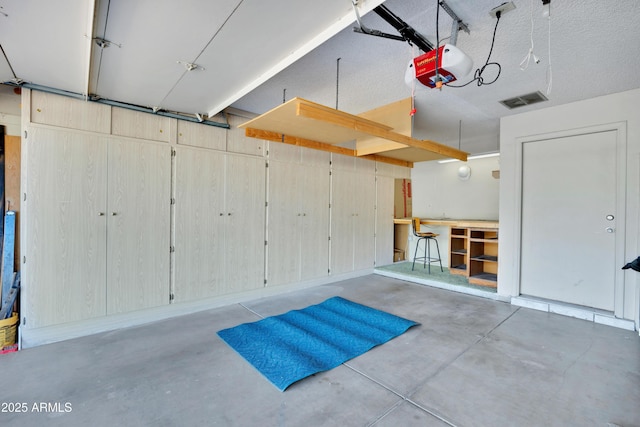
x=113, y=226
x=70, y=113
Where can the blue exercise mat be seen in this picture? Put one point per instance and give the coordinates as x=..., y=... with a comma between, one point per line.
x=299, y=343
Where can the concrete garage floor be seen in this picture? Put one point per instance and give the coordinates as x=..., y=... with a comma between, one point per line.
x=471, y=362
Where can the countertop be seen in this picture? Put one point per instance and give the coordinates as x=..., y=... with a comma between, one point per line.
x=452, y=222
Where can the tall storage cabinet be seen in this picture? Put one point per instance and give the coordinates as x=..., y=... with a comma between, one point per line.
x=65, y=223
x=97, y=221
x=298, y=240
x=138, y=215
x=352, y=221
x=220, y=212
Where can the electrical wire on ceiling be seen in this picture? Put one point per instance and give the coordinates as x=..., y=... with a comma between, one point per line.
x=438, y=79
x=337, y=80
x=530, y=55
x=546, y=12
x=478, y=76
x=549, y=73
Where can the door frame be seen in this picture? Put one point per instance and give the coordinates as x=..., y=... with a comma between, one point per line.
x=621, y=189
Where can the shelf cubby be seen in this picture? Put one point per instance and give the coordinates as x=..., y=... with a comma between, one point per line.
x=473, y=252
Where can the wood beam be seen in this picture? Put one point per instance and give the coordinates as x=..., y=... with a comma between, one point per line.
x=384, y=159
x=301, y=142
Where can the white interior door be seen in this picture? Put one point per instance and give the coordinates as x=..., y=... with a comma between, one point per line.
x=569, y=219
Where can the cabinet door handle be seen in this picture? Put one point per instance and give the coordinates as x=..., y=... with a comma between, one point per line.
x=114, y=213
x=100, y=213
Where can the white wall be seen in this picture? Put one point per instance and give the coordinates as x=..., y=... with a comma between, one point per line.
x=605, y=110
x=439, y=193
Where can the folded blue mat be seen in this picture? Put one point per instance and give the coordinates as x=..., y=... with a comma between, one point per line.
x=299, y=343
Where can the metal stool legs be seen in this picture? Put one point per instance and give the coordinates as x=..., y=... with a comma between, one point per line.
x=427, y=253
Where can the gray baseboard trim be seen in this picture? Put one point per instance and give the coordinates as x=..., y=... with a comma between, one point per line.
x=584, y=313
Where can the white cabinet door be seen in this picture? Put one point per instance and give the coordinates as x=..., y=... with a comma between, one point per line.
x=352, y=221
x=298, y=238
x=384, y=220
x=245, y=225
x=138, y=227
x=314, y=233
x=199, y=224
x=283, y=224
x=97, y=227
x=364, y=222
x=343, y=188
x=220, y=219
x=64, y=277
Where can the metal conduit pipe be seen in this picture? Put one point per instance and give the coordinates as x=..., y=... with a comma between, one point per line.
x=118, y=104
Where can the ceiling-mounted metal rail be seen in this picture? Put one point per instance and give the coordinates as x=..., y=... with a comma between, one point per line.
x=407, y=33
x=93, y=98
x=461, y=25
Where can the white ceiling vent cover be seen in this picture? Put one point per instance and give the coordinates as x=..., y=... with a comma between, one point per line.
x=522, y=100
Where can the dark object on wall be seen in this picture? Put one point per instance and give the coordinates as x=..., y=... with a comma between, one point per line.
x=634, y=265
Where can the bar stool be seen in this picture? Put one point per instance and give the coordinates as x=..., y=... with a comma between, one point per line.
x=427, y=237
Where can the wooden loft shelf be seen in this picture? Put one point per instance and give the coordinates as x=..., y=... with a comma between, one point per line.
x=306, y=123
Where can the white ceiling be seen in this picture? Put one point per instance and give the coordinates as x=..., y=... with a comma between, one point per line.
x=249, y=51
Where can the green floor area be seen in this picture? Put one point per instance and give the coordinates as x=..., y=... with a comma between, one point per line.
x=404, y=268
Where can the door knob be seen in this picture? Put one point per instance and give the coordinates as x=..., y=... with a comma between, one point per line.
x=114, y=213
x=609, y=230
x=610, y=217
x=100, y=213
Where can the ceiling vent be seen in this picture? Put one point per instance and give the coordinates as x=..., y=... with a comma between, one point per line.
x=522, y=100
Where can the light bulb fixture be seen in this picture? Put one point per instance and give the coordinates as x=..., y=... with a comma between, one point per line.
x=464, y=173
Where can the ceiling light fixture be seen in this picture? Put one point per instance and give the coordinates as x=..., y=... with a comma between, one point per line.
x=477, y=156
